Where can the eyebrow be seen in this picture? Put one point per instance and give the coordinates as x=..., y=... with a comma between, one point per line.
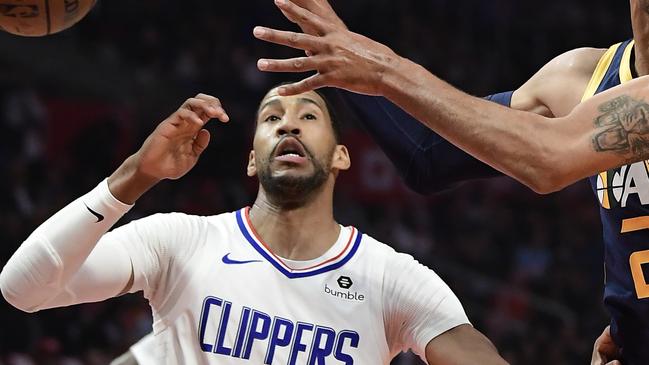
x=273, y=102
x=276, y=102
x=309, y=101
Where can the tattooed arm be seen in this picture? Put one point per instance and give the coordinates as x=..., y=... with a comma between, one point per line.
x=624, y=126
x=546, y=154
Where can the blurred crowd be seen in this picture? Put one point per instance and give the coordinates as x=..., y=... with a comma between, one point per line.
x=528, y=268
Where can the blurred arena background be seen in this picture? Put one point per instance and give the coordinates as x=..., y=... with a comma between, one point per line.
x=528, y=268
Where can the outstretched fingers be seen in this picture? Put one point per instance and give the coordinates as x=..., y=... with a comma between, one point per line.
x=310, y=83
x=302, y=16
x=295, y=40
x=300, y=64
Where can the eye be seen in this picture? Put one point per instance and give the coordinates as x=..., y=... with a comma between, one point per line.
x=272, y=118
x=309, y=117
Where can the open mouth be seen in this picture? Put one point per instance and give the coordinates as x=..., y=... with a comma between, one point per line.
x=290, y=150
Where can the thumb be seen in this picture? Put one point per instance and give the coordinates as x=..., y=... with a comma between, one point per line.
x=201, y=141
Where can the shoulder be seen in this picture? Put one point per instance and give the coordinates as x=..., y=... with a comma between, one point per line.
x=559, y=85
x=396, y=265
x=175, y=226
x=169, y=221
x=576, y=63
x=376, y=251
x=184, y=218
x=579, y=62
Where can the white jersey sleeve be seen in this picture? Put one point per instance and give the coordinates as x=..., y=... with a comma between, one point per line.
x=70, y=259
x=160, y=246
x=418, y=305
x=65, y=261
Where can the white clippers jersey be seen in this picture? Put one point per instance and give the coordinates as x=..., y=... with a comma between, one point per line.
x=219, y=296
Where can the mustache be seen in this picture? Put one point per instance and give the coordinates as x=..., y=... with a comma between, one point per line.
x=289, y=135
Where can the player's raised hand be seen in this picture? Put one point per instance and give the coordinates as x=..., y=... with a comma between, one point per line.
x=170, y=151
x=341, y=58
x=321, y=8
x=176, y=144
x=605, y=351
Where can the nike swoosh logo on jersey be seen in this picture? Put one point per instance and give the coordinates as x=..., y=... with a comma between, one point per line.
x=99, y=216
x=228, y=261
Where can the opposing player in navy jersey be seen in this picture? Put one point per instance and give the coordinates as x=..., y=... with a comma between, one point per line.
x=548, y=149
x=280, y=282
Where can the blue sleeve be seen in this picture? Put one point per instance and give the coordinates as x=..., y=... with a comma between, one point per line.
x=504, y=99
x=427, y=162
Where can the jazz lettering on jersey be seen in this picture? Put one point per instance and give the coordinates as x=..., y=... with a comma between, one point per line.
x=615, y=187
x=255, y=329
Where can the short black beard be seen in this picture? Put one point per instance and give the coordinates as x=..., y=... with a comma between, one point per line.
x=292, y=191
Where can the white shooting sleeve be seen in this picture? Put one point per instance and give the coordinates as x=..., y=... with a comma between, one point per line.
x=66, y=261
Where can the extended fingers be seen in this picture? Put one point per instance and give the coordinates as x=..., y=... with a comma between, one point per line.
x=300, y=64
x=290, y=39
x=301, y=16
x=311, y=83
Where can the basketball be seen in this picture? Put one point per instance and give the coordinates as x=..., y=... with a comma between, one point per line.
x=35, y=18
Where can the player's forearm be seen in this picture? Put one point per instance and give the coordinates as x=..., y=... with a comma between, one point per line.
x=128, y=183
x=44, y=264
x=517, y=143
x=426, y=161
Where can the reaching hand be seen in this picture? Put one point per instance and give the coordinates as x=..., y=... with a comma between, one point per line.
x=176, y=144
x=605, y=351
x=341, y=58
x=170, y=151
x=321, y=8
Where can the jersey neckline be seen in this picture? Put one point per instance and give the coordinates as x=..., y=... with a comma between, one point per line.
x=328, y=262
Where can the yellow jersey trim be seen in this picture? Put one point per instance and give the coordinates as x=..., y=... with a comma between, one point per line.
x=600, y=71
x=625, y=64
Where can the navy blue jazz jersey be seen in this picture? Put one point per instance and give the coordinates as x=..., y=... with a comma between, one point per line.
x=623, y=194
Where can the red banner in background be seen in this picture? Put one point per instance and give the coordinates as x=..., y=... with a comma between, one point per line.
x=372, y=176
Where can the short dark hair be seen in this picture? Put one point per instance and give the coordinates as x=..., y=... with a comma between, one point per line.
x=326, y=95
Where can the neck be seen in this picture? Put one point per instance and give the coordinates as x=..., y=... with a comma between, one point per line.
x=297, y=231
x=640, y=23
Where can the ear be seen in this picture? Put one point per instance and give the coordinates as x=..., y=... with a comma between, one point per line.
x=252, y=168
x=341, y=160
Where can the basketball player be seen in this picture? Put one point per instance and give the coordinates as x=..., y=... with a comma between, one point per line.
x=281, y=282
x=548, y=150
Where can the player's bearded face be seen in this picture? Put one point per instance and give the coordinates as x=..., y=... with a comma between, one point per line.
x=294, y=147
x=294, y=185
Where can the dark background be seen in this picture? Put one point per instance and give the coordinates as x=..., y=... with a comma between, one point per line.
x=528, y=268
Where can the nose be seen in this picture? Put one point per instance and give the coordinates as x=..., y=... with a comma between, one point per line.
x=288, y=125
